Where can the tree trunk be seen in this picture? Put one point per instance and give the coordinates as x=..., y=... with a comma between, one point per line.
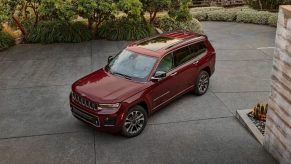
x=260, y=3
x=95, y=29
x=19, y=25
x=153, y=17
x=143, y=17
x=90, y=23
x=36, y=19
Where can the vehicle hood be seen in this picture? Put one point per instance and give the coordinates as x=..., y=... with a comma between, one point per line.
x=103, y=87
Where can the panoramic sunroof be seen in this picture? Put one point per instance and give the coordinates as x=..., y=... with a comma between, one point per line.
x=158, y=43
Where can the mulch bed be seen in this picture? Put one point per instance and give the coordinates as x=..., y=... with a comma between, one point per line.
x=259, y=124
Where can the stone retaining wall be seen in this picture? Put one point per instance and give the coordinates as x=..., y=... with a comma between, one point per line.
x=277, y=138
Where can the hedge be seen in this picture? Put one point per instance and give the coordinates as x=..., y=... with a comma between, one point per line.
x=167, y=24
x=272, y=21
x=258, y=17
x=218, y=15
x=238, y=14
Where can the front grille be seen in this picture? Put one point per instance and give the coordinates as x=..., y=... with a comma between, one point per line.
x=84, y=102
x=85, y=117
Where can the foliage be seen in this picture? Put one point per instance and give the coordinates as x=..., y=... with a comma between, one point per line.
x=218, y=15
x=238, y=14
x=155, y=6
x=58, y=32
x=95, y=11
x=10, y=31
x=4, y=12
x=132, y=8
x=272, y=21
x=6, y=40
x=266, y=4
x=200, y=15
x=259, y=17
x=56, y=10
x=167, y=24
x=182, y=13
x=125, y=28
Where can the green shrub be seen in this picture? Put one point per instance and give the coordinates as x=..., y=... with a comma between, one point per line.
x=193, y=25
x=58, y=32
x=272, y=21
x=239, y=14
x=180, y=11
x=169, y=24
x=200, y=15
x=6, y=40
x=222, y=15
x=258, y=17
x=125, y=28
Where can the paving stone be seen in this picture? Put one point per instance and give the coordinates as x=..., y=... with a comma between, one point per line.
x=71, y=148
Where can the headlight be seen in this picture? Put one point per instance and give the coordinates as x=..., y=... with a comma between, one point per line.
x=108, y=106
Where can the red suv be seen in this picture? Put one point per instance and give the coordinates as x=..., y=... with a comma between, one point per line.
x=141, y=79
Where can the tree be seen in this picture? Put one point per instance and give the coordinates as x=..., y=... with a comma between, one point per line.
x=56, y=10
x=180, y=10
x=30, y=5
x=9, y=10
x=4, y=13
x=95, y=11
x=155, y=6
x=132, y=8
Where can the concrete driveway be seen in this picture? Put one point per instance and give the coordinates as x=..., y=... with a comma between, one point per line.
x=36, y=125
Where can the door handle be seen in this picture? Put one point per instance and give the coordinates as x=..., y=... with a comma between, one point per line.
x=173, y=74
x=196, y=62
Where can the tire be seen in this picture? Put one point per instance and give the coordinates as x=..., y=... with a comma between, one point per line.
x=202, y=83
x=134, y=122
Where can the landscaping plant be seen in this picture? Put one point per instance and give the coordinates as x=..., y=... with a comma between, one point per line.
x=217, y=15
x=180, y=10
x=167, y=24
x=125, y=28
x=256, y=17
x=260, y=112
x=58, y=32
x=6, y=40
x=155, y=6
x=237, y=14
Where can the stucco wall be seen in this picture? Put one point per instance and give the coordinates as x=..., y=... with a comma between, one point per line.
x=277, y=138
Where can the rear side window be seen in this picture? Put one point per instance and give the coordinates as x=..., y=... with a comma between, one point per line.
x=197, y=49
x=181, y=56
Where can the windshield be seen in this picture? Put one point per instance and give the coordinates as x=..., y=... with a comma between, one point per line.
x=131, y=65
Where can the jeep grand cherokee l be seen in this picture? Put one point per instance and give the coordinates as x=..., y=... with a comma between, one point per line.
x=141, y=79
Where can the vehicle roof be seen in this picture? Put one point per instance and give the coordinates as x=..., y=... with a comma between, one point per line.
x=159, y=45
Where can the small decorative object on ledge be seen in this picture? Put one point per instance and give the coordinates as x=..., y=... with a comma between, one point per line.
x=258, y=116
x=260, y=112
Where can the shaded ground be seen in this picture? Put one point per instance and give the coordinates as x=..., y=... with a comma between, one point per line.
x=36, y=125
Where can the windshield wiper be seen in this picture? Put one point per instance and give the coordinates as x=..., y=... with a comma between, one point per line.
x=123, y=75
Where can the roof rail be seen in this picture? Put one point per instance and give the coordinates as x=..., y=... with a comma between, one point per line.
x=185, y=41
x=152, y=37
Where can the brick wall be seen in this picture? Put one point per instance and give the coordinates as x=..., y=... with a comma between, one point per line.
x=277, y=138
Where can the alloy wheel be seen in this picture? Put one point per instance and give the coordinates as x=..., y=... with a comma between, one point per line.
x=134, y=122
x=203, y=83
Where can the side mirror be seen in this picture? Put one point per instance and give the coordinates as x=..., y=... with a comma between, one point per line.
x=158, y=75
x=110, y=58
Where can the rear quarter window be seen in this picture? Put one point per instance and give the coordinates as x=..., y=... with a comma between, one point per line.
x=188, y=53
x=197, y=49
